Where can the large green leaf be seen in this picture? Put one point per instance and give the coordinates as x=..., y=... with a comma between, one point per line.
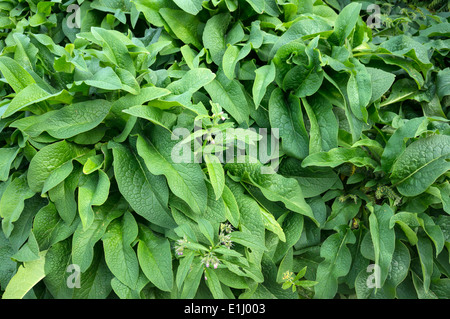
x=27, y=276
x=50, y=158
x=146, y=193
x=119, y=255
x=422, y=162
x=286, y=115
x=336, y=264
x=275, y=187
x=68, y=121
x=383, y=239
x=186, y=180
x=155, y=259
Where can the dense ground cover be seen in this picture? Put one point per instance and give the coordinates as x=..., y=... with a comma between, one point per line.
x=332, y=116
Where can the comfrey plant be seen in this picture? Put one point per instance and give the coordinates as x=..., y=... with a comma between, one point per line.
x=146, y=146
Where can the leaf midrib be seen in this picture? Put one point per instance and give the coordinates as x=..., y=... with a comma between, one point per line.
x=418, y=169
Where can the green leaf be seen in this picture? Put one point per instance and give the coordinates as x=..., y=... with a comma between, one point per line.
x=184, y=25
x=381, y=82
x=396, y=143
x=83, y=240
x=422, y=293
x=150, y=9
x=68, y=121
x=27, y=276
x=191, y=82
x=345, y=22
x=104, y=78
x=33, y=94
x=263, y=77
x=398, y=271
x=190, y=6
x=342, y=213
x=15, y=75
x=231, y=206
x=433, y=231
x=271, y=224
x=425, y=251
x=216, y=173
x=402, y=45
x=246, y=239
x=257, y=5
x=359, y=90
x=338, y=156
x=293, y=226
x=129, y=82
x=336, y=264
x=299, y=30
x=406, y=220
x=401, y=90
x=274, y=187
x=383, y=238
x=214, y=36
x=421, y=164
x=93, y=192
x=7, y=156
x=318, y=132
x=186, y=180
x=50, y=158
x=155, y=259
x=57, y=176
x=8, y=266
x=184, y=268
x=442, y=82
x=56, y=261
x=286, y=115
x=115, y=48
x=230, y=279
x=146, y=193
x=213, y=283
x=207, y=229
x=63, y=195
x=230, y=97
x=29, y=251
x=313, y=181
x=146, y=94
x=152, y=114
x=119, y=255
x=49, y=228
x=95, y=282
x=192, y=281
x=231, y=57
x=12, y=202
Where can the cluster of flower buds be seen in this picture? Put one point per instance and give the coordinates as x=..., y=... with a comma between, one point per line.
x=179, y=247
x=385, y=191
x=224, y=235
x=288, y=275
x=210, y=259
x=343, y=198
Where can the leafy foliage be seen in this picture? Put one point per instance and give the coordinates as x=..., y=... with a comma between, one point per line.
x=94, y=204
